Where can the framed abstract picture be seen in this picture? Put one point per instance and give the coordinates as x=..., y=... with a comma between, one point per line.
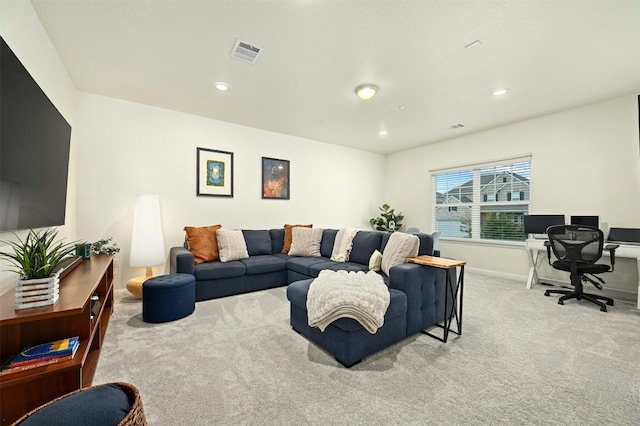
x=214, y=173
x=275, y=179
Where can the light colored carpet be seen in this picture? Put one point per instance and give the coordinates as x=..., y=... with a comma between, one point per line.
x=522, y=359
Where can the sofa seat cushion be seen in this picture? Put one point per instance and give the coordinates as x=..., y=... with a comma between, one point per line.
x=302, y=265
x=264, y=264
x=297, y=295
x=336, y=266
x=217, y=270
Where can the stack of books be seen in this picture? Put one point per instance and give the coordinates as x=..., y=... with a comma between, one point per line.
x=45, y=354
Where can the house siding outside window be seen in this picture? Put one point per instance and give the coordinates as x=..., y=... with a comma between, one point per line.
x=483, y=201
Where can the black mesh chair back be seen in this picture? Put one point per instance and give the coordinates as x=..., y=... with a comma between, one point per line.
x=577, y=248
x=576, y=242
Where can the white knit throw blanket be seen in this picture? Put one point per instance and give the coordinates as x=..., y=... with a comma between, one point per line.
x=343, y=244
x=362, y=296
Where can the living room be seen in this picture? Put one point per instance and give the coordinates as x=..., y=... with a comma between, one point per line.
x=122, y=148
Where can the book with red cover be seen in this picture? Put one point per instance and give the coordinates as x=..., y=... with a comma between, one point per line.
x=46, y=351
x=40, y=363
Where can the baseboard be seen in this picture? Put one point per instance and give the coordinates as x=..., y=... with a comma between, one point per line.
x=614, y=293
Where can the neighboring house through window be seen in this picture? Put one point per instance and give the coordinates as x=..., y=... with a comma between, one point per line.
x=482, y=201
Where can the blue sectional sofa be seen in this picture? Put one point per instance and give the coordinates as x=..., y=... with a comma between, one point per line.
x=417, y=292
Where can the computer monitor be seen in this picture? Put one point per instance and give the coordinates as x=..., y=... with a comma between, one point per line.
x=586, y=220
x=624, y=236
x=538, y=223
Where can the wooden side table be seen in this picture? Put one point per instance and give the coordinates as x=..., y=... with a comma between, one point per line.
x=456, y=294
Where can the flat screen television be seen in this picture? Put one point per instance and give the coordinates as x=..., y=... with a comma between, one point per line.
x=586, y=220
x=34, y=151
x=538, y=223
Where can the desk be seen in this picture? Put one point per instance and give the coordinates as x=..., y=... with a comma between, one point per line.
x=456, y=296
x=534, y=246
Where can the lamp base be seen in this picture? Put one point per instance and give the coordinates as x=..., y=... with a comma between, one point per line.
x=134, y=285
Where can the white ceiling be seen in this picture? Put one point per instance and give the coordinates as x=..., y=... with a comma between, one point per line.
x=550, y=55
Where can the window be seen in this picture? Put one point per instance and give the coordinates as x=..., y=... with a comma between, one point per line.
x=483, y=201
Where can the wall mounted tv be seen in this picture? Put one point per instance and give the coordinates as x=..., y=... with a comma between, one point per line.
x=34, y=151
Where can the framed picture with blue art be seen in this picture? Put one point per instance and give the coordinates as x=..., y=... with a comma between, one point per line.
x=215, y=173
x=275, y=179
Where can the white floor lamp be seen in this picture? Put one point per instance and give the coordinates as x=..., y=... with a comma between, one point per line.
x=147, y=241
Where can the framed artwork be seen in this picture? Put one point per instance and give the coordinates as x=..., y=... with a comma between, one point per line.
x=215, y=173
x=275, y=179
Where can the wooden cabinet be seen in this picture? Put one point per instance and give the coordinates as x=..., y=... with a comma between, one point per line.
x=22, y=391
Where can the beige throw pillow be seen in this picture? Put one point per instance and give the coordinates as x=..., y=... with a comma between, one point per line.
x=375, y=262
x=399, y=247
x=288, y=236
x=305, y=242
x=231, y=245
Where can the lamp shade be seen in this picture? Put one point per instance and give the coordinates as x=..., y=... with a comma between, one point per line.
x=147, y=241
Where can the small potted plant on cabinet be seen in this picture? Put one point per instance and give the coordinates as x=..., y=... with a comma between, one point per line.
x=35, y=259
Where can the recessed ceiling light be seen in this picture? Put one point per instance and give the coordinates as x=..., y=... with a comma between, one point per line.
x=382, y=133
x=366, y=91
x=221, y=86
x=499, y=92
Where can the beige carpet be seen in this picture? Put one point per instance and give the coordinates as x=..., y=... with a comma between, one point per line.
x=522, y=360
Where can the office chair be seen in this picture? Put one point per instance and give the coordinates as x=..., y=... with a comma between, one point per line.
x=577, y=249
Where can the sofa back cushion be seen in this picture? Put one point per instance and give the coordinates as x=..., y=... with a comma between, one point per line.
x=364, y=244
x=277, y=240
x=328, y=239
x=426, y=244
x=258, y=242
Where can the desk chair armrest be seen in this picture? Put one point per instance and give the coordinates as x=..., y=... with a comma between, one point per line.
x=611, y=248
x=547, y=244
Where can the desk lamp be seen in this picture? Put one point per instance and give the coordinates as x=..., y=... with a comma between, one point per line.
x=147, y=241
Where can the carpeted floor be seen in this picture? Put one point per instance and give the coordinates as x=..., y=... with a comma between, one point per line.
x=522, y=360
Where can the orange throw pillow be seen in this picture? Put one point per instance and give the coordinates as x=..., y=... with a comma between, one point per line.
x=288, y=236
x=202, y=242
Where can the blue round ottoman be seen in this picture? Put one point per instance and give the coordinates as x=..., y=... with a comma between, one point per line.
x=110, y=404
x=168, y=297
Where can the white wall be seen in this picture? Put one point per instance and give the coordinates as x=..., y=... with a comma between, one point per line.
x=126, y=148
x=21, y=29
x=584, y=161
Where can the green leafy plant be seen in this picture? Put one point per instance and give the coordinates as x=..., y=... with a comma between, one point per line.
x=38, y=254
x=388, y=219
x=105, y=246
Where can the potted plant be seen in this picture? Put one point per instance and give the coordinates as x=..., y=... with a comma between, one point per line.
x=388, y=220
x=35, y=259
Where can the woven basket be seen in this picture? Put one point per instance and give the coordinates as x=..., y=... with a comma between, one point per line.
x=134, y=418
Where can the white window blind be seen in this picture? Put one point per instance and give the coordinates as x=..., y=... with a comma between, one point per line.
x=483, y=201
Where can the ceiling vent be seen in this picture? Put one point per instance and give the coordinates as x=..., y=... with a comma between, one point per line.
x=246, y=51
x=456, y=126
